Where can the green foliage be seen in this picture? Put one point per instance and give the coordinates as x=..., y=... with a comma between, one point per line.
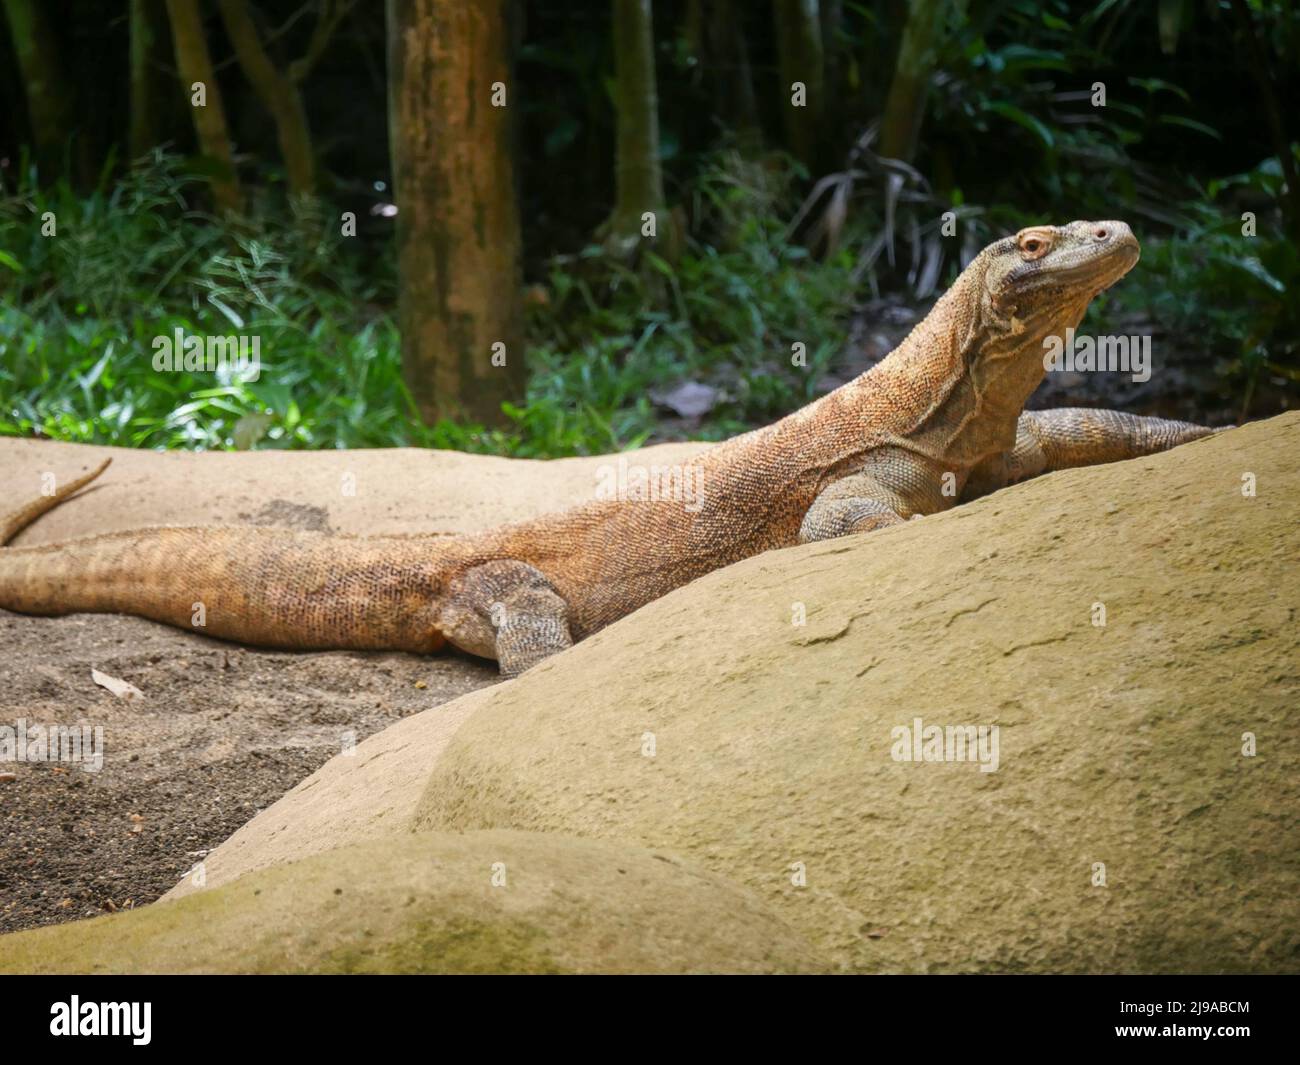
x=131, y=262
x=1219, y=292
x=81, y=310
x=1021, y=76
x=726, y=314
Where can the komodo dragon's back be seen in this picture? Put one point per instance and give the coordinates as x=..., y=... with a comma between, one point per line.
x=939, y=421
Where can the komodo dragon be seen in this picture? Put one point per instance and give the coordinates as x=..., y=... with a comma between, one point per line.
x=935, y=423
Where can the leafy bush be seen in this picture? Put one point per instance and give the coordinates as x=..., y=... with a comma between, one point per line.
x=132, y=261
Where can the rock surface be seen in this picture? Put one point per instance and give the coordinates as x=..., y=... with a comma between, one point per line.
x=1124, y=829
x=492, y=902
x=348, y=800
x=376, y=491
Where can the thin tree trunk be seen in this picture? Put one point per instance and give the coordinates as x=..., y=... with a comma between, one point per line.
x=638, y=175
x=801, y=59
x=195, y=65
x=734, y=76
x=832, y=23
x=148, y=43
x=279, y=95
x=49, y=93
x=923, y=34
x=458, y=235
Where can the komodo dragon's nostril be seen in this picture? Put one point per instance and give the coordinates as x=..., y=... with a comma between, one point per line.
x=1101, y=232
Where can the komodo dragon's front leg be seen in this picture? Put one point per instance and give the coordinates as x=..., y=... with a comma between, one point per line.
x=894, y=484
x=1049, y=440
x=1061, y=439
x=1045, y=441
x=860, y=502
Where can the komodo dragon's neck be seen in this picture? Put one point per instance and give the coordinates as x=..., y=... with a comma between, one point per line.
x=951, y=391
x=954, y=388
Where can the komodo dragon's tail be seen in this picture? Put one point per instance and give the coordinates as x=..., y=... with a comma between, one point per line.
x=20, y=519
x=268, y=586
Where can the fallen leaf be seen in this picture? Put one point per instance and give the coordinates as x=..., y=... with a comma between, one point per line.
x=688, y=400
x=122, y=689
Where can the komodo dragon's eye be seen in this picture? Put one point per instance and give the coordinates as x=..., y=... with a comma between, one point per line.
x=1034, y=245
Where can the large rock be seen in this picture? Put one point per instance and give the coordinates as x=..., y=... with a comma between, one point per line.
x=1124, y=828
x=1120, y=754
x=366, y=491
x=496, y=902
x=372, y=790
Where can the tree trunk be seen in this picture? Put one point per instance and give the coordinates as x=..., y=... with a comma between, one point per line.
x=279, y=95
x=195, y=65
x=800, y=57
x=832, y=25
x=737, y=102
x=638, y=175
x=924, y=32
x=148, y=44
x=458, y=239
x=49, y=93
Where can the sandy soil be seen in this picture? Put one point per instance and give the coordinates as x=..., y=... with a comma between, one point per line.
x=222, y=731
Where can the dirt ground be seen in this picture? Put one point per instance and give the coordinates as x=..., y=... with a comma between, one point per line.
x=222, y=731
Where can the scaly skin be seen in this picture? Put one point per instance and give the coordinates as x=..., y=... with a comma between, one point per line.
x=937, y=422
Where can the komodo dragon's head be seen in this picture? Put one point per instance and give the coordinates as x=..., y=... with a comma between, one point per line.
x=1041, y=280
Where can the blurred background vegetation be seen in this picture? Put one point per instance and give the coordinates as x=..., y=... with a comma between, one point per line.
x=775, y=224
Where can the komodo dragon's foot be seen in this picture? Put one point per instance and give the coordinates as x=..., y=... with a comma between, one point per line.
x=508, y=611
x=854, y=504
